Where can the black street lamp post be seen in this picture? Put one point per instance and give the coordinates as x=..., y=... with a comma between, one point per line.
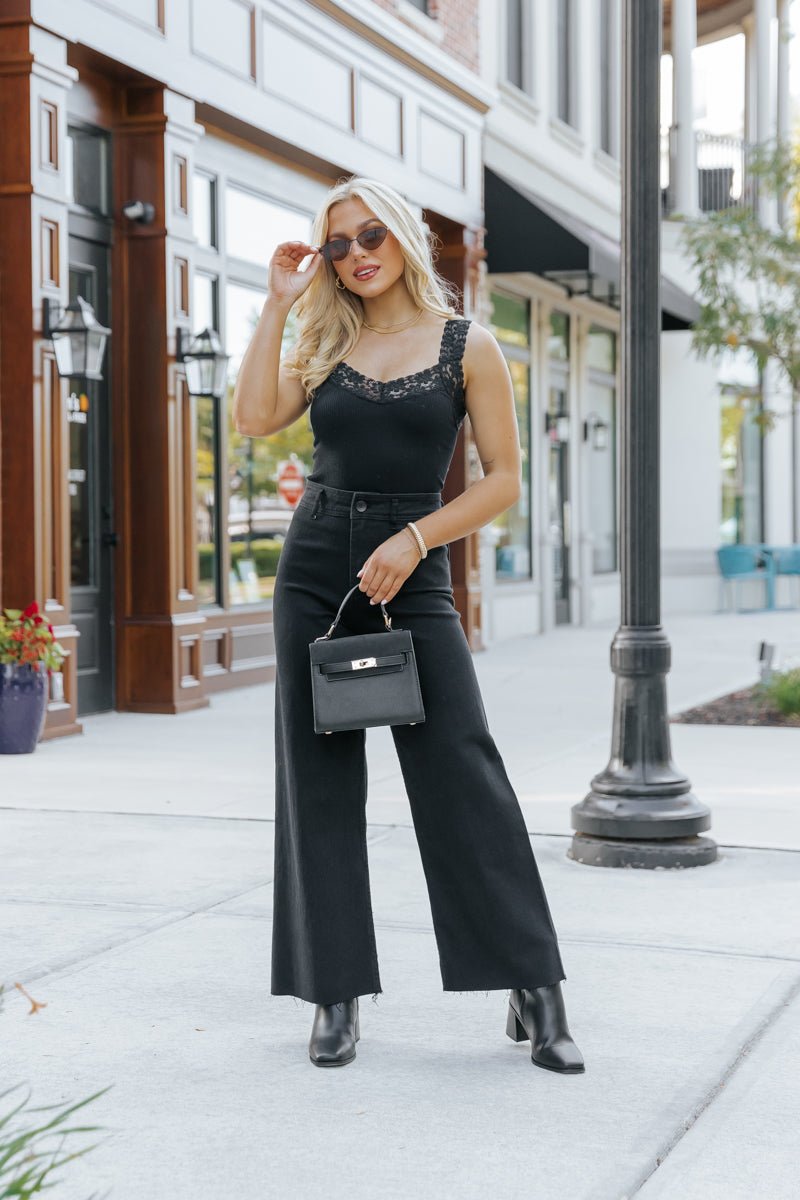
x=640, y=811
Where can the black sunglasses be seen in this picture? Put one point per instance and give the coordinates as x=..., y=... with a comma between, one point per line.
x=338, y=248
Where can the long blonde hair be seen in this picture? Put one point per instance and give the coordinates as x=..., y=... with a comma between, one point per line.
x=329, y=318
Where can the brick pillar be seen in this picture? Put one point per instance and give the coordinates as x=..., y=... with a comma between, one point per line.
x=160, y=627
x=34, y=447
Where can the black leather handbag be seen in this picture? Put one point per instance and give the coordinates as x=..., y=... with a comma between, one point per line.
x=365, y=680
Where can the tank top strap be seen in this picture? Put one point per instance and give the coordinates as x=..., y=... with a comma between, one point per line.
x=454, y=340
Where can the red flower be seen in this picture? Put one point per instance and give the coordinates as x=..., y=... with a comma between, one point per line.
x=31, y=610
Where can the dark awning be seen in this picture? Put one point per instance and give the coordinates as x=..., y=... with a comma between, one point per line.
x=526, y=233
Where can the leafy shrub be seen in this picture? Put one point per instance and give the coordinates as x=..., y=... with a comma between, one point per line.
x=783, y=690
x=264, y=551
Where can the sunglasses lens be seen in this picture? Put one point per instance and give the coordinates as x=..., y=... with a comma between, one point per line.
x=370, y=239
x=335, y=250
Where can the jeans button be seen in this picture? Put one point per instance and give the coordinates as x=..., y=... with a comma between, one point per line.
x=361, y=505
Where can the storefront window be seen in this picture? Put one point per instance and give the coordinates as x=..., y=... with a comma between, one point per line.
x=558, y=340
x=740, y=454
x=244, y=504
x=741, y=450
x=254, y=226
x=601, y=430
x=204, y=208
x=206, y=491
x=258, y=514
x=512, y=529
x=205, y=313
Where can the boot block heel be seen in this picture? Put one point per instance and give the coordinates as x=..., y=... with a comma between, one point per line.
x=514, y=1029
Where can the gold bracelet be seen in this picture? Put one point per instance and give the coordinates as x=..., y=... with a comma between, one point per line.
x=423, y=549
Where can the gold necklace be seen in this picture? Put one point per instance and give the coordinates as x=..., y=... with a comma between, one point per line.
x=394, y=328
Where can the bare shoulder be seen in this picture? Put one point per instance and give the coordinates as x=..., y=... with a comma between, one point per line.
x=482, y=354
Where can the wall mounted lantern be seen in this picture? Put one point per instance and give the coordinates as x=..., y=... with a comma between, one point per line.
x=79, y=340
x=599, y=431
x=205, y=362
x=556, y=427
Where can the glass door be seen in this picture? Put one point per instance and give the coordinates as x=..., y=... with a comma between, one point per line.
x=558, y=501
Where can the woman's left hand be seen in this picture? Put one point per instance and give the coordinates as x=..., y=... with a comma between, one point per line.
x=388, y=567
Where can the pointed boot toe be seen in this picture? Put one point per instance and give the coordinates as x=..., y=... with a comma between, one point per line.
x=334, y=1034
x=538, y=1014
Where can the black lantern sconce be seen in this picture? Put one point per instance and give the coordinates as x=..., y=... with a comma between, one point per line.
x=79, y=340
x=556, y=427
x=205, y=362
x=598, y=429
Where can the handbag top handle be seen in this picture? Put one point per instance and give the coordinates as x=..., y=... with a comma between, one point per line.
x=387, y=620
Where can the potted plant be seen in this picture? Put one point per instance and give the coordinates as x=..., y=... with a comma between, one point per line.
x=29, y=654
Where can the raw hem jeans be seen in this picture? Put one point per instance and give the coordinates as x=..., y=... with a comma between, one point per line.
x=491, y=919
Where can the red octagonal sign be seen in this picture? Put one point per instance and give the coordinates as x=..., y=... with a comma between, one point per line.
x=290, y=483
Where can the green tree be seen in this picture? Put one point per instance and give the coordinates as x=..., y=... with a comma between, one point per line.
x=749, y=274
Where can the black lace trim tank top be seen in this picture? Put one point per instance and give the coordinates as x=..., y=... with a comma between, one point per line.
x=392, y=436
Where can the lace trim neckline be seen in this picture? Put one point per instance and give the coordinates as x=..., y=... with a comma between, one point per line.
x=349, y=374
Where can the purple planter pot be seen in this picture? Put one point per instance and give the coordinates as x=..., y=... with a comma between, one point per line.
x=23, y=706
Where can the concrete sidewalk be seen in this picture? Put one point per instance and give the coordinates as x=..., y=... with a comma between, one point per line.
x=137, y=902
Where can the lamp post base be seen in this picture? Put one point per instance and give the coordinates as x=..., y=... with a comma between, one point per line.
x=640, y=811
x=670, y=854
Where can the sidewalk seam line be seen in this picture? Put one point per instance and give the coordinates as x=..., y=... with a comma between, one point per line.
x=705, y=1102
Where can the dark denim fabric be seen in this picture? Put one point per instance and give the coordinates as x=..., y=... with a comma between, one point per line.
x=491, y=918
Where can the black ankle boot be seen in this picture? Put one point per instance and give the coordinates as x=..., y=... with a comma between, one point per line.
x=334, y=1034
x=538, y=1013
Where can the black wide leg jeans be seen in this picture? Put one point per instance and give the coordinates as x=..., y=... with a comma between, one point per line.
x=491, y=918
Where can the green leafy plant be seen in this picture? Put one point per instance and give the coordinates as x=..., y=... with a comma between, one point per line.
x=748, y=274
x=33, y=1147
x=783, y=691
x=27, y=637
x=32, y=1150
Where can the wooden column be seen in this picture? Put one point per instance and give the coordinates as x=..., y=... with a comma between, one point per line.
x=34, y=448
x=160, y=628
x=460, y=258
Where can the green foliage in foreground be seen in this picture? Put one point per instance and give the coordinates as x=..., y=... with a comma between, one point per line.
x=783, y=691
x=32, y=1146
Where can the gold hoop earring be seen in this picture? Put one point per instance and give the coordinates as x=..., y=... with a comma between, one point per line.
x=341, y=286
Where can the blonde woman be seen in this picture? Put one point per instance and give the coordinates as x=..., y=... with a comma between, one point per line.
x=387, y=370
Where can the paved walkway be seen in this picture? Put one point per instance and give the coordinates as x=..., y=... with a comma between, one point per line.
x=136, y=903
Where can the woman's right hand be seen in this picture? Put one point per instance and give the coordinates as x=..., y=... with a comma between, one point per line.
x=285, y=281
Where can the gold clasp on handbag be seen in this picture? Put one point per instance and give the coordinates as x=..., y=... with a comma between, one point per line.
x=358, y=663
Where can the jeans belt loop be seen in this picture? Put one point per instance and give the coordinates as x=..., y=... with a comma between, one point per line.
x=395, y=508
x=317, y=503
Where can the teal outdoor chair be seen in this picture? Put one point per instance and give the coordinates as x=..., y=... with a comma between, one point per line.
x=740, y=563
x=787, y=562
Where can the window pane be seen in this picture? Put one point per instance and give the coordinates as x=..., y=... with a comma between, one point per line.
x=90, y=170
x=601, y=400
x=510, y=321
x=514, y=42
x=205, y=308
x=258, y=516
x=558, y=341
x=513, y=559
x=242, y=309
x=204, y=209
x=740, y=454
x=206, y=501
x=564, y=60
x=254, y=226
x=601, y=347
x=605, y=77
